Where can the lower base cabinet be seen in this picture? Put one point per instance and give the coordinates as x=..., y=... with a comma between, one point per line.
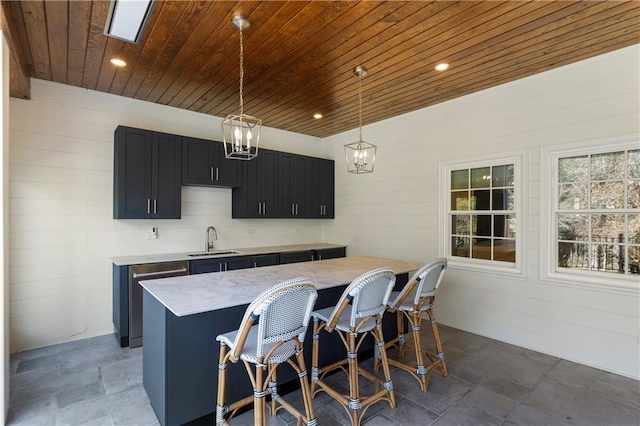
x=122, y=317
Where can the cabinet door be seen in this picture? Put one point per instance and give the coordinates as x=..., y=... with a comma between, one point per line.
x=292, y=179
x=204, y=266
x=233, y=263
x=296, y=256
x=196, y=165
x=327, y=188
x=265, y=260
x=312, y=198
x=226, y=172
x=166, y=176
x=132, y=174
x=268, y=182
x=333, y=253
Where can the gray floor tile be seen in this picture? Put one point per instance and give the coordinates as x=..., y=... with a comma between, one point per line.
x=53, y=386
x=619, y=381
x=54, y=349
x=32, y=378
x=409, y=413
x=40, y=411
x=80, y=393
x=573, y=374
x=85, y=411
x=100, y=421
x=121, y=375
x=443, y=393
x=580, y=405
x=506, y=388
x=43, y=362
x=82, y=359
x=506, y=364
x=246, y=419
x=463, y=414
x=616, y=393
x=490, y=402
x=539, y=356
x=139, y=415
x=381, y=420
x=527, y=416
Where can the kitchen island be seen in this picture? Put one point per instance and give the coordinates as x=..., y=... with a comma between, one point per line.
x=183, y=316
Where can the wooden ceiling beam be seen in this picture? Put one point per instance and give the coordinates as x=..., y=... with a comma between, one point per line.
x=19, y=81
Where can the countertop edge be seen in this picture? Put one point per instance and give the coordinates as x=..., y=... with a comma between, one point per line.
x=246, y=251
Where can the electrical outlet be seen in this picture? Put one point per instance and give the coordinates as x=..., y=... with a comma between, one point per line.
x=251, y=232
x=153, y=235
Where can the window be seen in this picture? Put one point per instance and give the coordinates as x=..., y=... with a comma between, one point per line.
x=482, y=214
x=596, y=221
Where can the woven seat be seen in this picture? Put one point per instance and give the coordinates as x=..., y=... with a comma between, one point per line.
x=357, y=314
x=283, y=312
x=416, y=299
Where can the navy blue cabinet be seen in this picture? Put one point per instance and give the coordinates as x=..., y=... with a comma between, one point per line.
x=147, y=175
x=219, y=264
x=204, y=164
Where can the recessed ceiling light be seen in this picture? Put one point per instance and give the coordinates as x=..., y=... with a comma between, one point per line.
x=317, y=116
x=118, y=62
x=441, y=67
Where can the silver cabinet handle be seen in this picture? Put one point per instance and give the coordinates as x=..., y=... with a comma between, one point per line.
x=155, y=205
x=319, y=256
x=264, y=208
x=211, y=173
x=226, y=266
x=259, y=208
x=217, y=173
x=155, y=274
x=292, y=210
x=296, y=210
x=255, y=264
x=148, y=205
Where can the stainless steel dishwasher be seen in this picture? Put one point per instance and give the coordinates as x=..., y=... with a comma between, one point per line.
x=139, y=273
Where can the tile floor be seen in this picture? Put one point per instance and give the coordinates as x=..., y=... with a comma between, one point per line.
x=95, y=382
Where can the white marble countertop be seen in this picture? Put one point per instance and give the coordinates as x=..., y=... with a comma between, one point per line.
x=250, y=251
x=193, y=294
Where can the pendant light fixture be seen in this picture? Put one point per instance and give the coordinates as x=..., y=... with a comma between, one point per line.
x=241, y=133
x=360, y=155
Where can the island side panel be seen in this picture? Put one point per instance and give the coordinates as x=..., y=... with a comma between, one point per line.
x=154, y=354
x=192, y=363
x=121, y=304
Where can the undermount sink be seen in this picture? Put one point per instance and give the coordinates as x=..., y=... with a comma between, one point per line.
x=213, y=253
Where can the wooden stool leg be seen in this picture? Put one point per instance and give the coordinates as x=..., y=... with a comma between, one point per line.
x=273, y=387
x=400, y=328
x=388, y=384
x=315, y=372
x=304, y=386
x=421, y=370
x=259, y=395
x=221, y=408
x=436, y=337
x=354, y=389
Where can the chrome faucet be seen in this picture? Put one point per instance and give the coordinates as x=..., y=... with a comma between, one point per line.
x=209, y=243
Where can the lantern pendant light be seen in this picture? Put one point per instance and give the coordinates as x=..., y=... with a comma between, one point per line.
x=360, y=155
x=241, y=133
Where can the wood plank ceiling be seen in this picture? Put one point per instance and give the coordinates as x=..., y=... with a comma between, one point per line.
x=299, y=55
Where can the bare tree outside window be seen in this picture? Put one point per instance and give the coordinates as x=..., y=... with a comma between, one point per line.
x=597, y=218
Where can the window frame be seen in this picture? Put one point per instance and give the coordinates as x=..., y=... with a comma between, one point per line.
x=549, y=271
x=512, y=269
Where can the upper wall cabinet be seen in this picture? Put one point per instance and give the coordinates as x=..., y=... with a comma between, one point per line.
x=284, y=185
x=257, y=197
x=147, y=174
x=204, y=164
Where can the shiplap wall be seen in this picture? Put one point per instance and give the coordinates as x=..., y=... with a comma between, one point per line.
x=61, y=228
x=393, y=212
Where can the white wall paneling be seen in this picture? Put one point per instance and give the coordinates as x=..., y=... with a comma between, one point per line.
x=62, y=232
x=393, y=212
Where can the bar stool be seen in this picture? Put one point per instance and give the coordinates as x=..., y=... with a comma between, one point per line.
x=284, y=312
x=416, y=298
x=358, y=313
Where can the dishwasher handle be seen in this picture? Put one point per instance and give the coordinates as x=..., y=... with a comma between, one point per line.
x=155, y=274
